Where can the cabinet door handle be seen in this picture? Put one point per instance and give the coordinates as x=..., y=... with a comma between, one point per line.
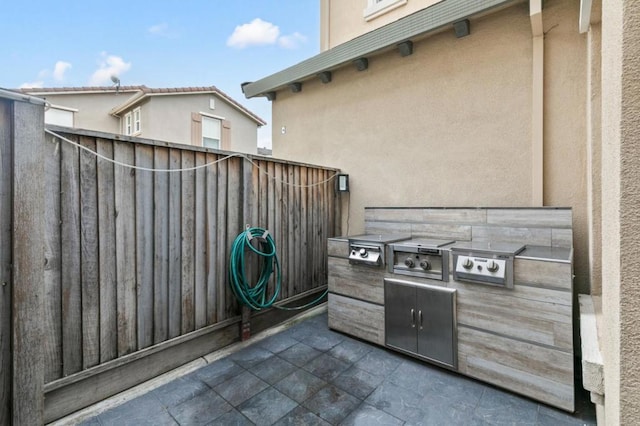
x=413, y=318
x=420, y=318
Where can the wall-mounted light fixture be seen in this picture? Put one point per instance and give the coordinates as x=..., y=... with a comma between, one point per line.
x=295, y=87
x=361, y=64
x=405, y=48
x=462, y=28
x=270, y=95
x=343, y=183
x=325, y=76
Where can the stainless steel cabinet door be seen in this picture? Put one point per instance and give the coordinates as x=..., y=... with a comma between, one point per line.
x=400, y=316
x=436, y=325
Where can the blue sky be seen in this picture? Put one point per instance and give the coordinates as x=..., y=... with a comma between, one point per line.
x=164, y=43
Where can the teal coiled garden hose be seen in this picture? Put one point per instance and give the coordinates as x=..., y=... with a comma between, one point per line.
x=255, y=296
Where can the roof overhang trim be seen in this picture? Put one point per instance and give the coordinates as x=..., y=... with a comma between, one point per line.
x=424, y=21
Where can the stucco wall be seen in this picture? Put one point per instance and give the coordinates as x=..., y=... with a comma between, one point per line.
x=450, y=125
x=346, y=18
x=93, y=111
x=169, y=118
x=620, y=201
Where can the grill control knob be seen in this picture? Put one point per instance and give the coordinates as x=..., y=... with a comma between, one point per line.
x=425, y=265
x=409, y=262
x=492, y=266
x=363, y=252
x=467, y=263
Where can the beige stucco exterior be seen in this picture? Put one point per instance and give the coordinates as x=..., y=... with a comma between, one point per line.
x=165, y=116
x=451, y=125
x=460, y=122
x=620, y=200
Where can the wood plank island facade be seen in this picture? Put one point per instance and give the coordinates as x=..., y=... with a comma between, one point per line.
x=521, y=339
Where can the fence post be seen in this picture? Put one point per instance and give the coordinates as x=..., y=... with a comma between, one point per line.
x=27, y=284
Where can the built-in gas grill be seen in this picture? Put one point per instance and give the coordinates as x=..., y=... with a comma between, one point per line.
x=485, y=262
x=420, y=258
x=370, y=249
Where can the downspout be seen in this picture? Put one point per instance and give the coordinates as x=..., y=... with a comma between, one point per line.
x=537, y=107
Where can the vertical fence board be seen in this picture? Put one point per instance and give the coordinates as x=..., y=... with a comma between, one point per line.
x=161, y=247
x=188, y=233
x=200, y=257
x=304, y=244
x=297, y=240
x=234, y=220
x=175, y=246
x=71, y=283
x=90, y=263
x=292, y=232
x=221, y=242
x=28, y=266
x=6, y=229
x=125, y=248
x=107, y=253
x=212, y=241
x=145, y=229
x=280, y=220
x=52, y=280
x=270, y=206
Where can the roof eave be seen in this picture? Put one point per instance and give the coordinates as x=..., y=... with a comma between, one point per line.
x=415, y=25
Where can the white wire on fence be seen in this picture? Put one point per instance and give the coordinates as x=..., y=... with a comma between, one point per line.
x=187, y=169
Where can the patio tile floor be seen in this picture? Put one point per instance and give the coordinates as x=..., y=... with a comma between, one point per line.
x=310, y=375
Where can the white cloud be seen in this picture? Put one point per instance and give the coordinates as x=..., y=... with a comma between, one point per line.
x=110, y=65
x=255, y=33
x=32, y=85
x=292, y=41
x=158, y=29
x=59, y=69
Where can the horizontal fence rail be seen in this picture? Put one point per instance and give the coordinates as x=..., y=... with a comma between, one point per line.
x=137, y=259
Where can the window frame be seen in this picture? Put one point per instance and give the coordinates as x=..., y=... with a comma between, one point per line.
x=136, y=121
x=127, y=125
x=377, y=8
x=203, y=117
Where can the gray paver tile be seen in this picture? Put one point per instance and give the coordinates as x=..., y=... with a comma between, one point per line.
x=326, y=367
x=379, y=362
x=300, y=416
x=350, y=350
x=299, y=354
x=503, y=408
x=357, y=382
x=218, y=372
x=231, y=418
x=250, y=356
x=300, y=385
x=273, y=369
x=367, y=415
x=332, y=404
x=179, y=390
x=277, y=343
x=240, y=388
x=267, y=407
x=143, y=410
x=201, y=409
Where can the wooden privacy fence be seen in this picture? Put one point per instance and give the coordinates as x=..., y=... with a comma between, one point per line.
x=135, y=261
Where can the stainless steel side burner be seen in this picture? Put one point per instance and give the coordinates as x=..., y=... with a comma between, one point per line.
x=489, y=263
x=420, y=258
x=370, y=249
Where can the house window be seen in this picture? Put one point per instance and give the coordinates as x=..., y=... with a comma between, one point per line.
x=137, y=128
x=376, y=8
x=127, y=127
x=211, y=132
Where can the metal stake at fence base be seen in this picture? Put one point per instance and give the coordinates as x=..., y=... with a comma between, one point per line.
x=245, y=324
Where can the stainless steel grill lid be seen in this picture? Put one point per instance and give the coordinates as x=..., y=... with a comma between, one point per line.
x=380, y=238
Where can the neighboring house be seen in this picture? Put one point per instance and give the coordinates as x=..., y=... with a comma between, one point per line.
x=203, y=116
x=486, y=103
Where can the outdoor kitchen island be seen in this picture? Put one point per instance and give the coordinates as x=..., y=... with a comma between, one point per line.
x=518, y=335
